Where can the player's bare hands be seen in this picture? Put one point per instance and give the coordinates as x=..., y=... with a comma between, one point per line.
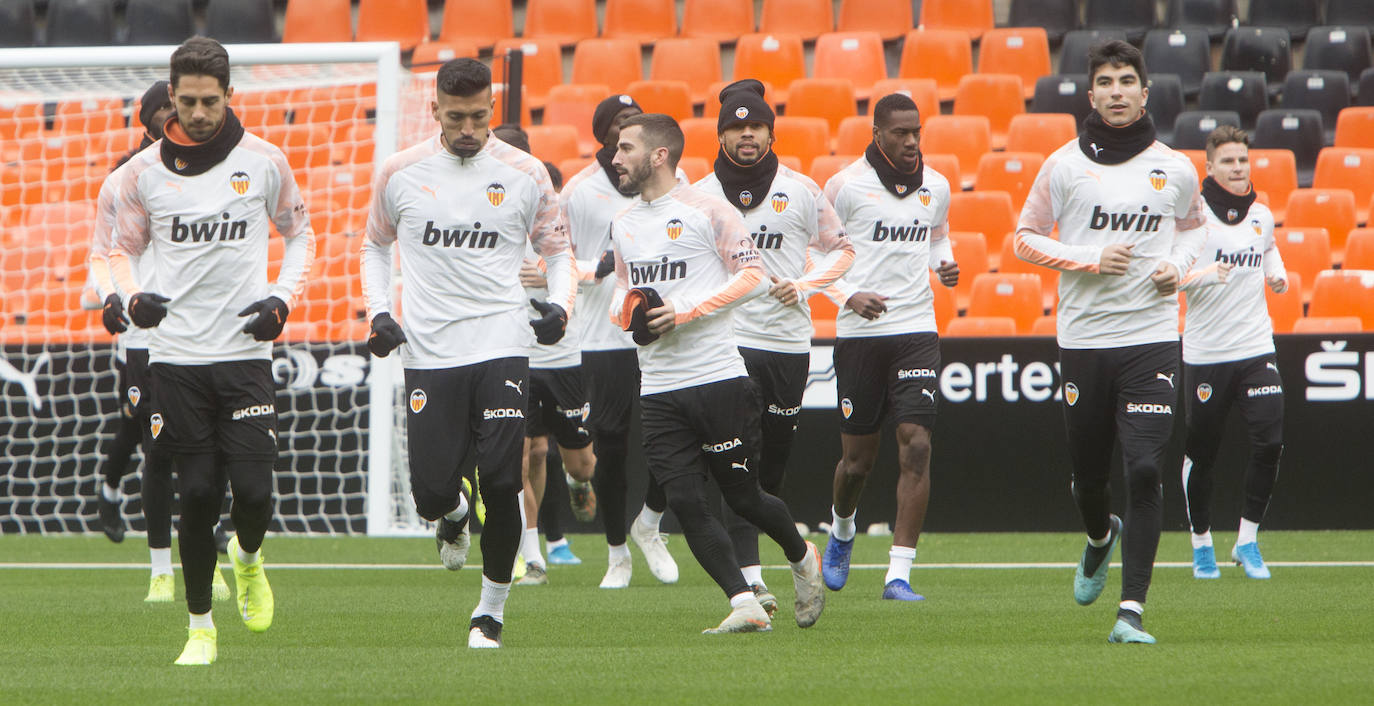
x=949, y=273
x=662, y=319
x=1223, y=271
x=869, y=305
x=531, y=277
x=1165, y=278
x=1276, y=283
x=785, y=291
x=1116, y=259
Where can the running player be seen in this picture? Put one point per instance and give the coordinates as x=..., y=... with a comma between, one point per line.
x=1130, y=222
x=683, y=259
x=610, y=369
x=201, y=206
x=461, y=206
x=1228, y=351
x=786, y=214
x=887, y=350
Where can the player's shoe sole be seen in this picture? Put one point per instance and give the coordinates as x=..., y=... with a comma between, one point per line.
x=749, y=617
x=484, y=632
x=535, y=575
x=899, y=590
x=453, y=541
x=1248, y=557
x=618, y=574
x=219, y=588
x=810, y=588
x=563, y=556
x=835, y=562
x=766, y=599
x=1086, y=588
x=1205, y=563
x=162, y=588
x=201, y=648
x=255, y=602
x=650, y=542
x=1124, y=632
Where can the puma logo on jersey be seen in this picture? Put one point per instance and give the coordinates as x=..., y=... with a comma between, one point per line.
x=516, y=385
x=1166, y=378
x=663, y=271
x=763, y=240
x=914, y=233
x=1247, y=258
x=1141, y=222
x=459, y=237
x=204, y=232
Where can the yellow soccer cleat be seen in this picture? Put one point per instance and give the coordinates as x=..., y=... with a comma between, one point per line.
x=219, y=589
x=161, y=589
x=201, y=648
x=473, y=491
x=255, y=601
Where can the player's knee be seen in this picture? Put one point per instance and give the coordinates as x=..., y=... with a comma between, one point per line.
x=539, y=447
x=500, y=485
x=432, y=506
x=1268, y=451
x=200, y=500
x=743, y=498
x=687, y=501
x=1142, y=477
x=579, y=463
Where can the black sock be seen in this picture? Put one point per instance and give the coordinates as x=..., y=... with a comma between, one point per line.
x=1131, y=617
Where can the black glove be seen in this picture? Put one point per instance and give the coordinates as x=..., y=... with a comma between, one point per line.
x=113, y=316
x=271, y=317
x=639, y=301
x=606, y=264
x=549, y=328
x=148, y=309
x=386, y=335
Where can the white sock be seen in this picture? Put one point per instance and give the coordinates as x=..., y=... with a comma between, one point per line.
x=201, y=622
x=556, y=544
x=161, y=560
x=247, y=558
x=740, y=599
x=753, y=575
x=1202, y=540
x=458, y=513
x=649, y=518
x=530, y=547
x=899, y=564
x=619, y=552
x=493, y=600
x=1133, y=606
x=1249, y=532
x=110, y=493
x=842, y=527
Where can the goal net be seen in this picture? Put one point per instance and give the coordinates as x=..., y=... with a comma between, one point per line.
x=66, y=117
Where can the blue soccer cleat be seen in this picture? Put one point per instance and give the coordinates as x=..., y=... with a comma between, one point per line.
x=1124, y=632
x=562, y=554
x=1086, y=588
x=1248, y=557
x=899, y=590
x=835, y=562
x=1205, y=563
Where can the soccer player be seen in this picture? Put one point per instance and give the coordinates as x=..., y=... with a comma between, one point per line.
x=1130, y=223
x=683, y=259
x=786, y=214
x=461, y=206
x=887, y=350
x=1228, y=351
x=201, y=207
x=610, y=368
x=135, y=392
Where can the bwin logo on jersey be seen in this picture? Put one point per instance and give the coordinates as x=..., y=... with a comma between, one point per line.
x=746, y=197
x=1204, y=393
x=239, y=182
x=914, y=233
x=1141, y=222
x=418, y=398
x=674, y=229
x=459, y=237
x=663, y=271
x=223, y=229
x=496, y=193
x=780, y=202
x=1245, y=258
x=925, y=196
x=1158, y=179
x=763, y=240
x=155, y=424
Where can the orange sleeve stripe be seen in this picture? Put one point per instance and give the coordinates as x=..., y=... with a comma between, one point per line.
x=1031, y=255
x=739, y=285
x=837, y=270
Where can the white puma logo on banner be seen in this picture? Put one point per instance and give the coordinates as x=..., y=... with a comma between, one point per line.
x=29, y=380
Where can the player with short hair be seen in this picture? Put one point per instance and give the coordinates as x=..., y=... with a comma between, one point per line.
x=201, y=207
x=895, y=209
x=1130, y=223
x=461, y=207
x=610, y=368
x=786, y=216
x=683, y=260
x=1228, y=351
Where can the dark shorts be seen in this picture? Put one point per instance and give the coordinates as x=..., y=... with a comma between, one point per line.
x=781, y=378
x=558, y=406
x=1253, y=385
x=1127, y=395
x=611, y=382
x=708, y=429
x=135, y=384
x=227, y=408
x=881, y=376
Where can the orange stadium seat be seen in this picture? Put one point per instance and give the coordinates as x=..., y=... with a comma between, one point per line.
x=696, y=168
x=854, y=56
x=981, y=326
x=1344, y=293
x=338, y=197
x=1286, y=308
x=571, y=167
x=828, y=165
x=573, y=104
x=330, y=104
x=318, y=21
x=1359, y=250
x=828, y=98
x=946, y=164
x=1022, y=51
x=669, y=97
x=1332, y=209
x=257, y=109
x=17, y=120
x=803, y=18
x=693, y=60
x=717, y=20
x=89, y=115
x=1327, y=325
x=1040, y=132
x=567, y=21
x=553, y=143
x=924, y=92
x=404, y=21
x=1355, y=127
x=964, y=136
x=1275, y=172
x=973, y=17
x=613, y=62
x=1305, y=251
x=853, y=135
x=542, y=67
x=986, y=212
x=971, y=252
x=712, y=108
x=792, y=162
x=777, y=60
x=1045, y=326
x=941, y=54
x=352, y=143
x=1347, y=168
x=1007, y=261
x=801, y=137
x=482, y=23
x=644, y=21
x=823, y=312
x=305, y=145
x=700, y=139
x=1012, y=172
x=1199, y=160
x=1016, y=296
x=890, y=18
x=997, y=96
x=432, y=55
x=945, y=311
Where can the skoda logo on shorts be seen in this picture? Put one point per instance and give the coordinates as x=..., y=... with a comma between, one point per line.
x=846, y=407
x=1071, y=394
x=417, y=401
x=1204, y=392
x=155, y=424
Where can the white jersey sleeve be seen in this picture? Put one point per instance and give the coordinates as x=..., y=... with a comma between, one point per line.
x=1230, y=321
x=102, y=240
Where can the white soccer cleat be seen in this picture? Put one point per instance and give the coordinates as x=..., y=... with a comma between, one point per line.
x=655, y=550
x=618, y=574
x=749, y=617
x=453, y=542
x=810, y=589
x=484, y=632
x=219, y=588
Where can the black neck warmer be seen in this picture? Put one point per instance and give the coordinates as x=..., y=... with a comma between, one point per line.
x=1230, y=209
x=189, y=159
x=746, y=187
x=901, y=184
x=1105, y=144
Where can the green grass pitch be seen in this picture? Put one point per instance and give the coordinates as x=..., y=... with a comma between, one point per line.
x=984, y=635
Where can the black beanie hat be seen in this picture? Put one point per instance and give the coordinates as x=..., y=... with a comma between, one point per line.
x=155, y=97
x=743, y=101
x=606, y=111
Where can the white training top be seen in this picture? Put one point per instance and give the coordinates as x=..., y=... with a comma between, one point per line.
x=895, y=241
x=795, y=217
x=1150, y=201
x=1230, y=321
x=206, y=237
x=99, y=263
x=462, y=226
x=693, y=249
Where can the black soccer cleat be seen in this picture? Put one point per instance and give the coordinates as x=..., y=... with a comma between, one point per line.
x=110, y=521
x=484, y=632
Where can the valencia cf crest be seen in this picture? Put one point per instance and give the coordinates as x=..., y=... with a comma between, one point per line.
x=674, y=229
x=135, y=395
x=1158, y=179
x=1204, y=393
x=922, y=193
x=1071, y=394
x=1254, y=223
x=417, y=401
x=496, y=193
x=1232, y=214
x=180, y=163
x=846, y=407
x=155, y=424
x=741, y=112
x=746, y=198
x=901, y=189
x=780, y=202
x=239, y=180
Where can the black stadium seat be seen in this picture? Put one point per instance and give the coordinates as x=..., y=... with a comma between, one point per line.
x=1215, y=16
x=1192, y=127
x=1185, y=53
x=1326, y=92
x=1062, y=93
x=241, y=21
x=1165, y=103
x=1350, y=12
x=80, y=23
x=16, y=23
x=1073, y=55
x=1297, y=16
x=1339, y=49
x=159, y=21
x=1296, y=130
x=1364, y=94
x=1265, y=49
x=1241, y=91
x=1136, y=17
x=1056, y=16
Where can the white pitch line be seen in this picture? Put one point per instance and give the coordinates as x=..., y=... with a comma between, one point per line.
x=80, y=566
